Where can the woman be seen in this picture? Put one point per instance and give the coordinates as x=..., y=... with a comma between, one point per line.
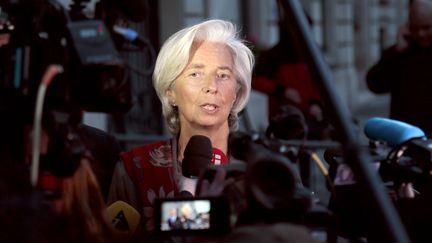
x=203, y=78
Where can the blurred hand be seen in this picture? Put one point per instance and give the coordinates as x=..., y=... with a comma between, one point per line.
x=316, y=112
x=293, y=95
x=402, y=41
x=216, y=187
x=406, y=190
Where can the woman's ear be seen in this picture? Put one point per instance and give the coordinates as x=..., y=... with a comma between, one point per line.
x=169, y=93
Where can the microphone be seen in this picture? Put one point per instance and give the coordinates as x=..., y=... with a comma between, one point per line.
x=132, y=36
x=393, y=132
x=123, y=217
x=198, y=155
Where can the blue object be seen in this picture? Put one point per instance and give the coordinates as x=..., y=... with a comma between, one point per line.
x=393, y=132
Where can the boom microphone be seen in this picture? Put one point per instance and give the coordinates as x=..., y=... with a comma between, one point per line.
x=393, y=132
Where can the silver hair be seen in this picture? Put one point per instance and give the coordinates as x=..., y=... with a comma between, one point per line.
x=174, y=56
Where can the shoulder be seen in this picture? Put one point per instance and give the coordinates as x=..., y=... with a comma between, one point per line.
x=146, y=148
x=157, y=153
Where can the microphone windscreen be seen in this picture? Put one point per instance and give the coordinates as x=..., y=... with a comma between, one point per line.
x=393, y=132
x=197, y=156
x=123, y=217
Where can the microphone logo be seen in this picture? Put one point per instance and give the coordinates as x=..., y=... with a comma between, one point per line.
x=120, y=222
x=123, y=217
x=218, y=157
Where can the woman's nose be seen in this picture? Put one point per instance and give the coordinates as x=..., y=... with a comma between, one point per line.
x=210, y=85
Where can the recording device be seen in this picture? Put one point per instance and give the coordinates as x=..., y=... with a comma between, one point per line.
x=401, y=154
x=409, y=158
x=192, y=216
x=41, y=33
x=197, y=157
x=273, y=187
x=35, y=35
x=392, y=132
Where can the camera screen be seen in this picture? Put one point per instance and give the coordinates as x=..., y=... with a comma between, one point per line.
x=185, y=215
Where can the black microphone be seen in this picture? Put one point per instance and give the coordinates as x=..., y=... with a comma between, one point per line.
x=197, y=157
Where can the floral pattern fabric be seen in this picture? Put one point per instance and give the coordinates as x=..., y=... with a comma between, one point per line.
x=151, y=169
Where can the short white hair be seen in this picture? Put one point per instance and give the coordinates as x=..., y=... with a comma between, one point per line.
x=174, y=56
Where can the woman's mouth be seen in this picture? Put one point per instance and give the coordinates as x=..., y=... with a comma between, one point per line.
x=209, y=107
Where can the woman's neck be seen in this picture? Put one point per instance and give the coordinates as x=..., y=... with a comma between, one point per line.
x=218, y=139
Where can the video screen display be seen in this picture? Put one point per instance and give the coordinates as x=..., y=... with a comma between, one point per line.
x=185, y=215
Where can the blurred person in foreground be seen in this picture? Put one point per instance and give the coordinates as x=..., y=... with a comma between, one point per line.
x=83, y=210
x=404, y=69
x=202, y=77
x=67, y=209
x=70, y=186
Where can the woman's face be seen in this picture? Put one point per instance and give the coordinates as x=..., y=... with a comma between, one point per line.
x=206, y=89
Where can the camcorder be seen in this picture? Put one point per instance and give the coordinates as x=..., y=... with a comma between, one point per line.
x=408, y=163
x=265, y=189
x=38, y=34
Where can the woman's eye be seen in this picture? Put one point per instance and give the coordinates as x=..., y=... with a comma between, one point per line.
x=224, y=76
x=194, y=75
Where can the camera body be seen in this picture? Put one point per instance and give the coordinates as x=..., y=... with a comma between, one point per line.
x=39, y=33
x=409, y=162
x=35, y=35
